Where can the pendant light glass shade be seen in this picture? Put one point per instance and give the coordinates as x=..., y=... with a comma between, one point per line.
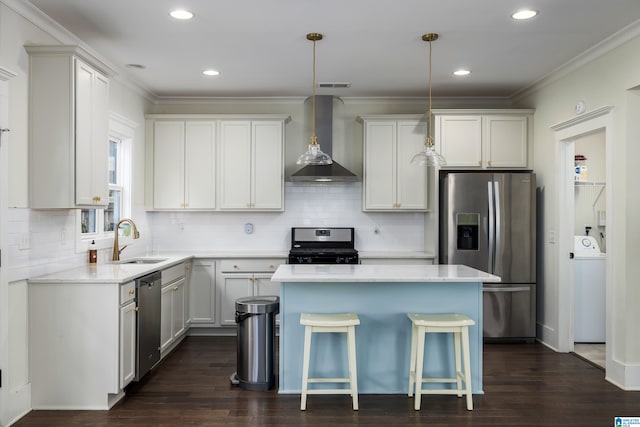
x=314, y=155
x=429, y=156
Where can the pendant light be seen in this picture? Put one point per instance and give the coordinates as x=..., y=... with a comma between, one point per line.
x=429, y=156
x=314, y=155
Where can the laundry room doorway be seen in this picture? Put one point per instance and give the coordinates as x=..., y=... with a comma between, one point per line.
x=570, y=136
x=590, y=247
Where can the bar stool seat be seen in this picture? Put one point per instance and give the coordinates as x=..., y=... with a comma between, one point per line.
x=322, y=323
x=458, y=325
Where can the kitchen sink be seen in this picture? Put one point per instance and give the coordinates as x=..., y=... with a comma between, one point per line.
x=141, y=261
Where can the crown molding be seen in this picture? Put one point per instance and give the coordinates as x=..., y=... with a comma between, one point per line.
x=612, y=42
x=6, y=74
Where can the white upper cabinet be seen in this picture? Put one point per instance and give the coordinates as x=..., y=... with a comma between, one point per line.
x=252, y=165
x=184, y=166
x=484, y=139
x=216, y=162
x=68, y=128
x=390, y=181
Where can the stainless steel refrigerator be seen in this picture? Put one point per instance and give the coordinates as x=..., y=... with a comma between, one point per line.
x=488, y=221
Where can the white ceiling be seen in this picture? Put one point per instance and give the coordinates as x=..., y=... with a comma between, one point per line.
x=260, y=49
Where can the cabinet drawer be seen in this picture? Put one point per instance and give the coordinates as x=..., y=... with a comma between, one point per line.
x=173, y=273
x=250, y=265
x=127, y=292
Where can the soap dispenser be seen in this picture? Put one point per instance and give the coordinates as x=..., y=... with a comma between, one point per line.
x=93, y=253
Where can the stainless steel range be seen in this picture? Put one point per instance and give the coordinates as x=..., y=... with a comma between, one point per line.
x=328, y=245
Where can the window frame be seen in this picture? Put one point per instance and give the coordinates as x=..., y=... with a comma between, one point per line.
x=123, y=130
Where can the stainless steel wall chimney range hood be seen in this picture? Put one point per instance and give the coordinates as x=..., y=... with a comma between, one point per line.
x=324, y=130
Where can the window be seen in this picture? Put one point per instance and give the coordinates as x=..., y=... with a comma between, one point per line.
x=99, y=224
x=97, y=221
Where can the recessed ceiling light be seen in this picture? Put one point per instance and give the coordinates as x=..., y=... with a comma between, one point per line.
x=211, y=72
x=181, y=14
x=461, y=72
x=524, y=14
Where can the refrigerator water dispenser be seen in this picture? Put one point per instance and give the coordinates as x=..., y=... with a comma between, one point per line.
x=467, y=230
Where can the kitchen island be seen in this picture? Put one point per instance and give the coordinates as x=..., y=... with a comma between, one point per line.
x=381, y=295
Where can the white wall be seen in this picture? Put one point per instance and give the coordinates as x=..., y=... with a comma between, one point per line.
x=606, y=80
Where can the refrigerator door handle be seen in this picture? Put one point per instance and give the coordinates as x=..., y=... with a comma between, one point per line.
x=491, y=253
x=512, y=289
x=498, y=227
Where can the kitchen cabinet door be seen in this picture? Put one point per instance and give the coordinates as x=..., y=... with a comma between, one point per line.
x=235, y=166
x=68, y=129
x=505, y=141
x=172, y=313
x=127, y=343
x=233, y=286
x=168, y=164
x=178, y=312
x=184, y=172
x=202, y=294
x=391, y=181
x=484, y=139
x=92, y=136
x=460, y=139
x=200, y=165
x=251, y=166
x=380, y=165
x=411, y=181
x=267, y=165
x=166, y=321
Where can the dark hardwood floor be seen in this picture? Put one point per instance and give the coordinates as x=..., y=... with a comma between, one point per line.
x=524, y=384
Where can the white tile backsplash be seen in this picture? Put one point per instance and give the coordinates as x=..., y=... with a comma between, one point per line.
x=309, y=204
x=43, y=241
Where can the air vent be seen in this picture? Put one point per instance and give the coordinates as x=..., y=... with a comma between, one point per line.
x=335, y=85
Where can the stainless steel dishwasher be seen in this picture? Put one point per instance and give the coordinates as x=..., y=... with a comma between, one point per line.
x=148, y=330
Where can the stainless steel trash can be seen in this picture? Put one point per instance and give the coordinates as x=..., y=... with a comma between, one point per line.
x=256, y=320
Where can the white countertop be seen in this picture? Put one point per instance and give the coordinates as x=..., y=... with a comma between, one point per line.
x=112, y=272
x=395, y=254
x=380, y=273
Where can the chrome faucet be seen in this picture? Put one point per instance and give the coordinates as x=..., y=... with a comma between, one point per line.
x=116, y=248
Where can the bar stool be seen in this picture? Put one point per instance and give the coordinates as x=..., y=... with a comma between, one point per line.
x=458, y=325
x=344, y=322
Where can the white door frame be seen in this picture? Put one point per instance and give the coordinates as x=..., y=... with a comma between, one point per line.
x=6, y=410
x=565, y=135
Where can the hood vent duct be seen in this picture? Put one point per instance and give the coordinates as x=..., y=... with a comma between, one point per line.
x=324, y=130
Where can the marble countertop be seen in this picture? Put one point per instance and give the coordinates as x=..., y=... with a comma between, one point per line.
x=122, y=272
x=395, y=254
x=380, y=273
x=110, y=272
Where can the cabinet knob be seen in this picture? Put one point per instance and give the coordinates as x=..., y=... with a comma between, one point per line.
x=271, y=266
x=96, y=199
x=235, y=266
x=136, y=309
x=175, y=288
x=132, y=291
x=489, y=162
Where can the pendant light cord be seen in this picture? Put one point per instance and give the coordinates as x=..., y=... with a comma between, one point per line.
x=429, y=113
x=314, y=138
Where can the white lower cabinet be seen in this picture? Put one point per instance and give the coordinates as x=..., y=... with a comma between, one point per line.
x=127, y=343
x=81, y=343
x=202, y=294
x=173, y=311
x=239, y=278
